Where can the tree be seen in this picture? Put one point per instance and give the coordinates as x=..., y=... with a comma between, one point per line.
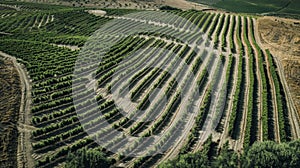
x=226, y=159
x=87, y=158
x=199, y=160
x=270, y=154
x=260, y=154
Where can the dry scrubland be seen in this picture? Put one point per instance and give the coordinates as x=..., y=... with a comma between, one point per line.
x=282, y=36
x=10, y=98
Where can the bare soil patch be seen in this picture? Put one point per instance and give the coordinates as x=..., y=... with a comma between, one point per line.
x=97, y=12
x=183, y=4
x=282, y=37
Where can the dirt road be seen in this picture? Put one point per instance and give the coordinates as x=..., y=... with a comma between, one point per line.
x=293, y=115
x=24, y=145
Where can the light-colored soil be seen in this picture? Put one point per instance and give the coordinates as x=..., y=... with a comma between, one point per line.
x=4, y=33
x=13, y=7
x=273, y=92
x=282, y=38
x=97, y=12
x=71, y=47
x=183, y=4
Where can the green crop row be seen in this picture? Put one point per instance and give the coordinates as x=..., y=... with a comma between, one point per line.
x=234, y=119
x=283, y=114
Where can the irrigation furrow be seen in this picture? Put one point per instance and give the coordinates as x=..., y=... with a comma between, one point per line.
x=224, y=134
x=179, y=142
x=199, y=143
x=260, y=86
x=240, y=142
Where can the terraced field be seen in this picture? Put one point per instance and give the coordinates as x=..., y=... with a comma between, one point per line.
x=194, y=74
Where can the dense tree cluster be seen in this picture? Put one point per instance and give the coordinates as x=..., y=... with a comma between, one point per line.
x=263, y=154
x=88, y=158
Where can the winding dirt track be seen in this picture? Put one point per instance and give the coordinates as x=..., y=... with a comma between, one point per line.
x=293, y=115
x=24, y=157
x=4, y=33
x=15, y=7
x=274, y=102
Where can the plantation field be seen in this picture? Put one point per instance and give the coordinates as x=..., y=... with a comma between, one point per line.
x=255, y=6
x=285, y=8
x=203, y=79
x=284, y=42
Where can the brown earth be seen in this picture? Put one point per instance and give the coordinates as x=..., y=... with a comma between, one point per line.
x=183, y=4
x=10, y=98
x=282, y=38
